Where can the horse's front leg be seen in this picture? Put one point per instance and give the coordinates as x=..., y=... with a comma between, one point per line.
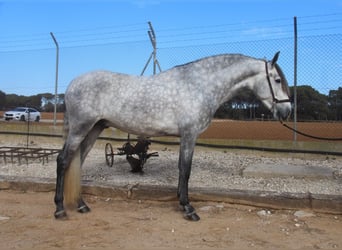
x=185, y=160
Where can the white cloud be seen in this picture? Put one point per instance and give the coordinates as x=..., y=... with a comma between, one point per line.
x=263, y=32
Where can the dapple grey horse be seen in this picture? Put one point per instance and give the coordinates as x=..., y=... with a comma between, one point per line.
x=178, y=102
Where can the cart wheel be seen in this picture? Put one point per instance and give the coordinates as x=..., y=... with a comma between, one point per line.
x=109, y=154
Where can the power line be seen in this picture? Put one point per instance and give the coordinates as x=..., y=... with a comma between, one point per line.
x=136, y=33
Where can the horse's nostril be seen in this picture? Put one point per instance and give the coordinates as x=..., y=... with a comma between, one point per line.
x=283, y=113
x=287, y=114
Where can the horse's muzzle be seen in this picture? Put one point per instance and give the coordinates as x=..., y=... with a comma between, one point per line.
x=282, y=111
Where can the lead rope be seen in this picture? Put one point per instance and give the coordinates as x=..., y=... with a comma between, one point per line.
x=310, y=136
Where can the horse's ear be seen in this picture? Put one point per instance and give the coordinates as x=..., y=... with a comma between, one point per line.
x=275, y=58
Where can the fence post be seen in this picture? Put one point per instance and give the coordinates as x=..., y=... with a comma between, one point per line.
x=56, y=81
x=295, y=81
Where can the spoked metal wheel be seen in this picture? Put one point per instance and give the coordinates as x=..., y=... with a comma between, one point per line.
x=109, y=154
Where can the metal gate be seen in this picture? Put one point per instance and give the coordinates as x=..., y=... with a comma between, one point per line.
x=20, y=154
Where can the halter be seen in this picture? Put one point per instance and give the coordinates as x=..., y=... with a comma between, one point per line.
x=275, y=99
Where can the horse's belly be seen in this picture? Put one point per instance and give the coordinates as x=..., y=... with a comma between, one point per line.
x=145, y=127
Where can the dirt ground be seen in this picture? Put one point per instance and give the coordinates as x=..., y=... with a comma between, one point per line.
x=27, y=222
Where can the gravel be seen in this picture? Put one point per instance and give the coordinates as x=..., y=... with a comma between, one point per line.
x=221, y=169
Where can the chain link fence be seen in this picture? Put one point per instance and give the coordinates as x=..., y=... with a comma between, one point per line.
x=319, y=88
x=319, y=81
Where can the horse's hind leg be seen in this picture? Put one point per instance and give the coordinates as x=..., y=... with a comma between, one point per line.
x=70, y=160
x=60, y=212
x=185, y=160
x=89, y=141
x=86, y=146
x=64, y=159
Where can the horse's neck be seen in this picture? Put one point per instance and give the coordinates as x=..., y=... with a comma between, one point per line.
x=237, y=77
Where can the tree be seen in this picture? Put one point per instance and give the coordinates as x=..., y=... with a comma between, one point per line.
x=335, y=104
x=244, y=105
x=2, y=100
x=311, y=105
x=43, y=102
x=13, y=100
x=48, y=102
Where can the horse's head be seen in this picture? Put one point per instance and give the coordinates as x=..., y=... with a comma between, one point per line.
x=274, y=92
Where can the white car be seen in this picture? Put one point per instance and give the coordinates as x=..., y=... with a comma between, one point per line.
x=22, y=114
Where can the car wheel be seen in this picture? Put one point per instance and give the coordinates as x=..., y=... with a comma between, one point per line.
x=22, y=118
x=37, y=119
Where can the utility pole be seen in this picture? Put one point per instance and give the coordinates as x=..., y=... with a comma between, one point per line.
x=56, y=80
x=295, y=81
x=153, y=55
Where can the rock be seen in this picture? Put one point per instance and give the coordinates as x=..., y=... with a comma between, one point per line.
x=219, y=206
x=303, y=214
x=263, y=213
x=4, y=218
x=206, y=208
x=210, y=208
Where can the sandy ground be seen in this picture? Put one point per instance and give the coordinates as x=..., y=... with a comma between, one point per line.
x=26, y=222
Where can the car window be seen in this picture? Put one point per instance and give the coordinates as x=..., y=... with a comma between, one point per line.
x=32, y=110
x=19, y=109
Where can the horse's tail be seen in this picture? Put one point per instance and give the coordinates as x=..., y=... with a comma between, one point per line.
x=65, y=125
x=72, y=180
x=72, y=177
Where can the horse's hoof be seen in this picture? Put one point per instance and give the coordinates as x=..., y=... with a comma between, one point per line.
x=190, y=213
x=83, y=209
x=60, y=215
x=192, y=216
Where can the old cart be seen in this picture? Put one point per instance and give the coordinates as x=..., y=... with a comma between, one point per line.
x=136, y=155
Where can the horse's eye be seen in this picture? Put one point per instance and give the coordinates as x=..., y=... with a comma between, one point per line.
x=278, y=80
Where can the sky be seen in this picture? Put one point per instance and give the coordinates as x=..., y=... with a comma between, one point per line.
x=113, y=35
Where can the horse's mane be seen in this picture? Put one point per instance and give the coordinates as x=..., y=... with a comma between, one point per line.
x=240, y=56
x=285, y=85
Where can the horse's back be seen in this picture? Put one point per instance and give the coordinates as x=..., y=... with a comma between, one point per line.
x=131, y=103
x=162, y=104
x=90, y=83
